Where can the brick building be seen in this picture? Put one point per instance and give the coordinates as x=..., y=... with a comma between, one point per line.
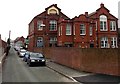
x=19, y=41
x=98, y=29
x=53, y=28
x=43, y=28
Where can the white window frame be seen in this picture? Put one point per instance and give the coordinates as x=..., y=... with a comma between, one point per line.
x=39, y=25
x=82, y=29
x=112, y=26
x=114, y=42
x=68, y=29
x=74, y=30
x=91, y=31
x=53, y=39
x=104, y=42
x=53, y=25
x=103, y=19
x=96, y=26
x=59, y=31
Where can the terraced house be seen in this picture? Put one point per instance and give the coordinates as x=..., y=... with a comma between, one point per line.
x=53, y=28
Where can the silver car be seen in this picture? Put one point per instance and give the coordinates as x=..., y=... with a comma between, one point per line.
x=22, y=53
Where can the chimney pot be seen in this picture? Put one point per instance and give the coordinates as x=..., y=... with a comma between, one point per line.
x=101, y=5
x=86, y=13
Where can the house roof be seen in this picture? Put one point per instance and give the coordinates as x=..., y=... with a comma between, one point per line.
x=91, y=14
x=18, y=38
x=44, y=13
x=55, y=5
x=101, y=6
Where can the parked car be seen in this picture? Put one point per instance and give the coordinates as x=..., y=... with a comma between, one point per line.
x=22, y=52
x=16, y=48
x=36, y=58
x=26, y=55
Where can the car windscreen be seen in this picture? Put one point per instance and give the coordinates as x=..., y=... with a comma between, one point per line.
x=37, y=55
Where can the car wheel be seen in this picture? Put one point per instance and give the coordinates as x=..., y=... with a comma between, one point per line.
x=29, y=64
x=25, y=60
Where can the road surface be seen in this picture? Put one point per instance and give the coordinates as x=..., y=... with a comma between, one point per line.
x=15, y=70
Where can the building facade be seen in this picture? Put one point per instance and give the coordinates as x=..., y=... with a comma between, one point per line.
x=98, y=30
x=43, y=28
x=53, y=28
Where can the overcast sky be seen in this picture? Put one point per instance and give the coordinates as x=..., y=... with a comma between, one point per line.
x=15, y=15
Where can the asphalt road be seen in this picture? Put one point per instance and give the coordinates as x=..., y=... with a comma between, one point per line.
x=15, y=70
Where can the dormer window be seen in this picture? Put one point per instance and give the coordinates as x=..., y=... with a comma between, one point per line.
x=103, y=23
x=53, y=10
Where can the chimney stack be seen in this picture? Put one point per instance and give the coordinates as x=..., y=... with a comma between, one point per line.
x=101, y=5
x=86, y=14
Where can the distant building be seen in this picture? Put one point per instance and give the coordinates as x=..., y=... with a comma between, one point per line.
x=19, y=41
x=53, y=28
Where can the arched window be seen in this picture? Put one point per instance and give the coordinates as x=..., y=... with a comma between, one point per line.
x=53, y=11
x=103, y=23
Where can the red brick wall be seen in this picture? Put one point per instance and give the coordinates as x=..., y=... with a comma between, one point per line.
x=4, y=44
x=31, y=44
x=105, y=61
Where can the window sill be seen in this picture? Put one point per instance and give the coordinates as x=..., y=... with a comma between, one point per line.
x=52, y=30
x=68, y=34
x=40, y=30
x=103, y=30
x=113, y=30
x=82, y=34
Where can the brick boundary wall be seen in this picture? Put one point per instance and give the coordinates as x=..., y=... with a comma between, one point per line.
x=104, y=61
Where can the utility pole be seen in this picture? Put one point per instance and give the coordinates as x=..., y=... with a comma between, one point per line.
x=8, y=44
x=9, y=33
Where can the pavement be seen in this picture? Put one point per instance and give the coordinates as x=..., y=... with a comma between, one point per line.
x=66, y=71
x=82, y=77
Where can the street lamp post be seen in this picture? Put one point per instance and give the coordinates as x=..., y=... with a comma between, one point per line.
x=8, y=44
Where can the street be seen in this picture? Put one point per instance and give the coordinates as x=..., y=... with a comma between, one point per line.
x=15, y=70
